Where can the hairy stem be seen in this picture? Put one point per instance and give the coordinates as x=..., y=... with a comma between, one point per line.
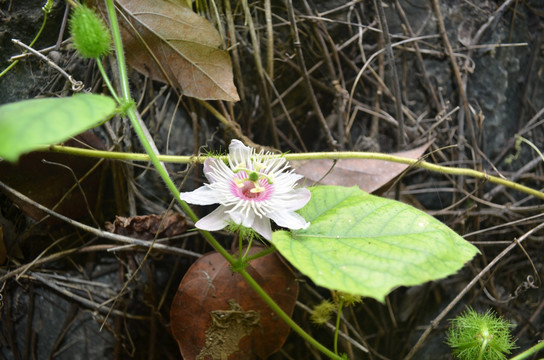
x=313, y=156
x=529, y=352
x=131, y=113
x=337, y=329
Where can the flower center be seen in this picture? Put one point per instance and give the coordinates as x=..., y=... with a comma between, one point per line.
x=249, y=190
x=251, y=186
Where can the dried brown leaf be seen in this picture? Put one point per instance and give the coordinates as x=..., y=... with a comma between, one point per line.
x=217, y=315
x=47, y=183
x=368, y=174
x=170, y=43
x=146, y=227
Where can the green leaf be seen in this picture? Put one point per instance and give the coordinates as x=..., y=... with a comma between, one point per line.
x=367, y=245
x=27, y=125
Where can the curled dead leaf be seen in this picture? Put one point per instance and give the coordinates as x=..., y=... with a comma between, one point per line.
x=368, y=174
x=216, y=315
x=50, y=180
x=146, y=227
x=170, y=43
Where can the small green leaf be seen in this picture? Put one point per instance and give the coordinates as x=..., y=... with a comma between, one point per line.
x=367, y=245
x=27, y=125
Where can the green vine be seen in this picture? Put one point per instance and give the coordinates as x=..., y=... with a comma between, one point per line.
x=46, y=10
x=131, y=114
x=311, y=156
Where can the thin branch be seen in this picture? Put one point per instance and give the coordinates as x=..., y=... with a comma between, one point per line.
x=460, y=84
x=434, y=323
x=401, y=141
x=419, y=57
x=94, y=231
x=300, y=57
x=76, y=85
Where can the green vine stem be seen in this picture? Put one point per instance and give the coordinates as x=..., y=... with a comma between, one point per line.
x=337, y=327
x=519, y=140
x=107, y=81
x=529, y=352
x=287, y=318
x=312, y=156
x=46, y=10
x=131, y=113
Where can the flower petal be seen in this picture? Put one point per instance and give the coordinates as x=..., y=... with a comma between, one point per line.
x=262, y=227
x=287, y=180
x=209, y=170
x=289, y=219
x=216, y=171
x=241, y=218
x=216, y=220
x=300, y=198
x=294, y=200
x=239, y=154
x=201, y=196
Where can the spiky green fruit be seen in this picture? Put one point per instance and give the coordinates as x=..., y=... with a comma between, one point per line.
x=90, y=35
x=475, y=336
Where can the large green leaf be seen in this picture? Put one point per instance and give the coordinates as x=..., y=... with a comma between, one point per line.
x=29, y=124
x=368, y=245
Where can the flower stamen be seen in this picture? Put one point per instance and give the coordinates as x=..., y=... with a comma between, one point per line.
x=257, y=189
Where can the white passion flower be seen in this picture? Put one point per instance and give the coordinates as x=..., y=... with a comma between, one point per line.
x=251, y=190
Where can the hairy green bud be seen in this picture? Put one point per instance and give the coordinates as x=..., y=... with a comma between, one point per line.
x=480, y=336
x=349, y=299
x=90, y=35
x=322, y=312
x=244, y=233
